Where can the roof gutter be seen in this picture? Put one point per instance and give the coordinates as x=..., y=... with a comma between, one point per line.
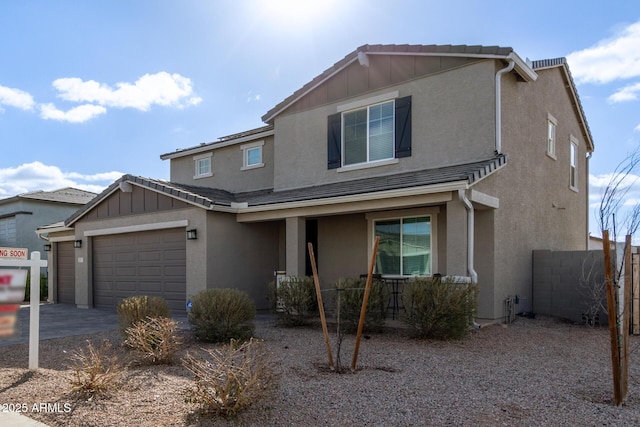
x=499, y=74
x=470, y=232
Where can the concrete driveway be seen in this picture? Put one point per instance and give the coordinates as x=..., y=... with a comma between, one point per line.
x=62, y=320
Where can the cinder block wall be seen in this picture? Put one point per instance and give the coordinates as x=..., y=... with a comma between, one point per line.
x=564, y=281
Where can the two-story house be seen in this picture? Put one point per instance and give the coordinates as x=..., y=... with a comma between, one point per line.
x=462, y=159
x=22, y=214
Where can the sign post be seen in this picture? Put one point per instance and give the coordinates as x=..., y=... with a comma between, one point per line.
x=12, y=257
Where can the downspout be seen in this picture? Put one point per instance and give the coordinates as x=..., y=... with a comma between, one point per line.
x=470, y=232
x=498, y=103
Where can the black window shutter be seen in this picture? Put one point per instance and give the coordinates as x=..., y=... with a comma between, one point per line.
x=403, y=127
x=334, y=141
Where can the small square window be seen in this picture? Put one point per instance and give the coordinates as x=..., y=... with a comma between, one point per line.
x=203, y=166
x=252, y=155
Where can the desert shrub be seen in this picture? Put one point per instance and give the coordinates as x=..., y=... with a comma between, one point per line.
x=96, y=370
x=294, y=300
x=232, y=378
x=351, y=292
x=437, y=308
x=155, y=338
x=218, y=315
x=137, y=308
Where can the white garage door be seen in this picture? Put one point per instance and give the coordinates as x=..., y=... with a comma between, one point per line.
x=147, y=263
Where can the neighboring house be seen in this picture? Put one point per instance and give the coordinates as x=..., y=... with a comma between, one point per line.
x=462, y=159
x=21, y=215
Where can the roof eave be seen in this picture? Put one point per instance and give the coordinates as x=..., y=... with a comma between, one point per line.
x=521, y=67
x=215, y=145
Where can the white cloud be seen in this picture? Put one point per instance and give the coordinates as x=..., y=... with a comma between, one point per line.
x=38, y=176
x=627, y=93
x=16, y=98
x=78, y=114
x=611, y=59
x=151, y=89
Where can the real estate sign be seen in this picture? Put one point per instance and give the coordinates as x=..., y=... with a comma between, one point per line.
x=13, y=253
x=12, y=284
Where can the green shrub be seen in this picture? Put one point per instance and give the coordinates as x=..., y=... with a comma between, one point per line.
x=219, y=315
x=351, y=292
x=155, y=338
x=438, y=309
x=232, y=378
x=44, y=288
x=294, y=300
x=137, y=308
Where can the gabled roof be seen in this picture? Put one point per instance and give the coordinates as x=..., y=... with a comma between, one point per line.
x=63, y=195
x=223, y=141
x=477, y=51
x=562, y=63
x=463, y=175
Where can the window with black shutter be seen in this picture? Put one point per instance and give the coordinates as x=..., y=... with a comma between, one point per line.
x=371, y=134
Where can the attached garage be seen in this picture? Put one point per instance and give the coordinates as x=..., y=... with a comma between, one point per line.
x=142, y=263
x=66, y=277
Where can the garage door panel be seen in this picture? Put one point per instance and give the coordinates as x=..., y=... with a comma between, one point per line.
x=174, y=255
x=174, y=271
x=147, y=263
x=147, y=256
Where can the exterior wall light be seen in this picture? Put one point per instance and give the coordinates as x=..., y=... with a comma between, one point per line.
x=192, y=234
x=77, y=244
x=47, y=247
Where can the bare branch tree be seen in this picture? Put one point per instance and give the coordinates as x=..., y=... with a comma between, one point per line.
x=614, y=196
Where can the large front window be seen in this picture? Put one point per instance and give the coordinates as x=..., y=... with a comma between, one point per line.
x=404, y=247
x=368, y=134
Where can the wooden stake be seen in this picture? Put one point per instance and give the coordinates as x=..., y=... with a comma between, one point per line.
x=626, y=313
x=316, y=281
x=365, y=299
x=635, y=281
x=612, y=311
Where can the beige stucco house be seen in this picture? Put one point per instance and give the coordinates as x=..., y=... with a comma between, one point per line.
x=462, y=159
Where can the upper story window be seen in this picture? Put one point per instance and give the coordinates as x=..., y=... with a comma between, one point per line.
x=573, y=164
x=252, y=155
x=367, y=134
x=552, y=124
x=370, y=132
x=202, y=165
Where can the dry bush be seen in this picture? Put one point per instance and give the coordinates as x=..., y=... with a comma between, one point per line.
x=96, y=370
x=134, y=309
x=236, y=376
x=156, y=338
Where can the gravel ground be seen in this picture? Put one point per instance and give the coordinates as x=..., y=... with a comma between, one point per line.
x=535, y=372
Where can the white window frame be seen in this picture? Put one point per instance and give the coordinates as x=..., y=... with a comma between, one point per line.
x=246, y=148
x=197, y=161
x=368, y=161
x=552, y=124
x=431, y=212
x=573, y=163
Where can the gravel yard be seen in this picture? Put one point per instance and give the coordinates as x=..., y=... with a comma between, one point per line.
x=535, y=372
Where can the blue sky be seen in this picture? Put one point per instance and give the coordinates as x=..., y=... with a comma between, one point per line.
x=92, y=90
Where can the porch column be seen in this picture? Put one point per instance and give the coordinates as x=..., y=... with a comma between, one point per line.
x=456, y=239
x=295, y=246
